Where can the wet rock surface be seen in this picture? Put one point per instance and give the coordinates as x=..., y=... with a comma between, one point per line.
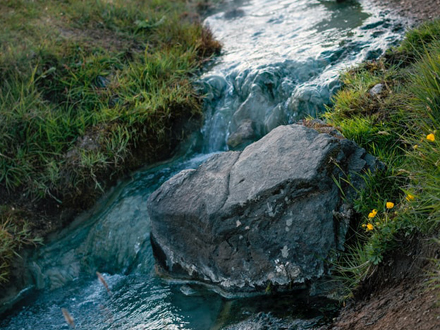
x=244, y=135
x=269, y=214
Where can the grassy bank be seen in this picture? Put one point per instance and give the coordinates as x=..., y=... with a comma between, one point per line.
x=90, y=90
x=391, y=107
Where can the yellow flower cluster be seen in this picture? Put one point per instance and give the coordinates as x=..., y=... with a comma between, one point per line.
x=369, y=226
x=410, y=197
x=430, y=137
x=372, y=214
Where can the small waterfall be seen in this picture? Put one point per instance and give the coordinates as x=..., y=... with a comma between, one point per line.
x=281, y=63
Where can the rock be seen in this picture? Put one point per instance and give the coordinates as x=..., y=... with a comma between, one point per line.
x=376, y=90
x=274, y=118
x=309, y=100
x=321, y=127
x=271, y=214
x=253, y=109
x=242, y=136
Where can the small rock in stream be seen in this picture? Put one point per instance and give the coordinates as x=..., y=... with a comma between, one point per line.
x=376, y=90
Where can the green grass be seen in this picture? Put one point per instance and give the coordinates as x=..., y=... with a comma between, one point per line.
x=117, y=73
x=393, y=126
x=90, y=90
x=14, y=234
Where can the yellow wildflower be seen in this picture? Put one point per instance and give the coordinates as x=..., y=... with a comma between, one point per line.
x=370, y=227
x=415, y=146
x=410, y=197
x=430, y=137
x=364, y=225
x=390, y=205
x=372, y=214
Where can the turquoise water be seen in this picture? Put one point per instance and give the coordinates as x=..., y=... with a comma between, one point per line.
x=280, y=63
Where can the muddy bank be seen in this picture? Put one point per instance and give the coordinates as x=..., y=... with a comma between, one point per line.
x=406, y=306
x=399, y=294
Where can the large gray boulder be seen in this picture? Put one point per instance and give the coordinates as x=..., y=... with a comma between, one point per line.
x=269, y=215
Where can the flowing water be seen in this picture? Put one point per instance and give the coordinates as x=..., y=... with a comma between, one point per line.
x=281, y=62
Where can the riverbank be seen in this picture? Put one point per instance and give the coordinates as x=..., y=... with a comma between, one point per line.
x=413, y=9
x=94, y=90
x=391, y=108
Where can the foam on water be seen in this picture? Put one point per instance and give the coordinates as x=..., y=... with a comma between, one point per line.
x=281, y=62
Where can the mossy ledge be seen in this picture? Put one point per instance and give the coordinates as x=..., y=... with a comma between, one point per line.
x=93, y=90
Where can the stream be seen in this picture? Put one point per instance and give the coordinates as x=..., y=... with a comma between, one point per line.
x=281, y=60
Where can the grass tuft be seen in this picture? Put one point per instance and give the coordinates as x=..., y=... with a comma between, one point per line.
x=400, y=126
x=15, y=233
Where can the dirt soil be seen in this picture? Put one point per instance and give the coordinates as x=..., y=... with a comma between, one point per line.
x=406, y=306
x=399, y=294
x=416, y=10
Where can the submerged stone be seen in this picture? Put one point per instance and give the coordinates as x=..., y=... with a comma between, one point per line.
x=269, y=215
x=243, y=136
